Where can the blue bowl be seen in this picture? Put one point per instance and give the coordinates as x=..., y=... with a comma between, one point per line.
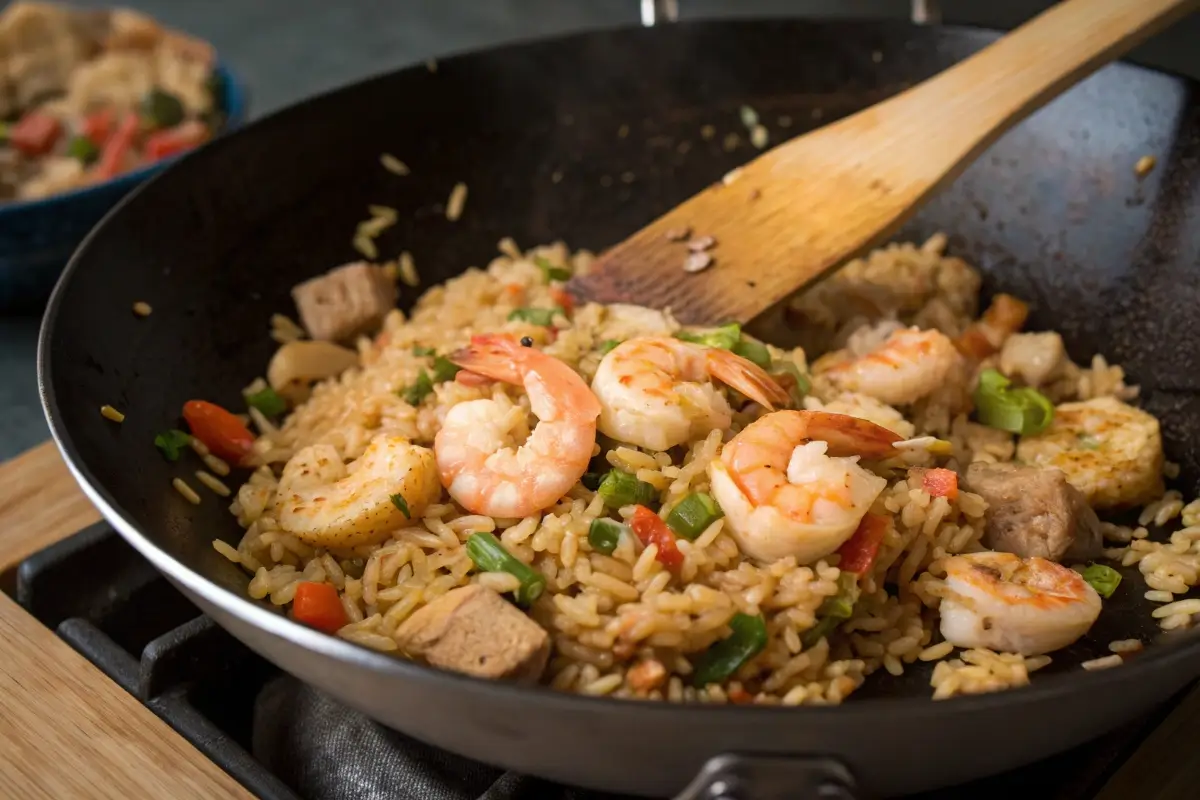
x=38, y=236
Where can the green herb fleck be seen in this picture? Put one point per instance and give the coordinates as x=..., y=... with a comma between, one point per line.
x=535, y=316
x=414, y=394
x=268, y=402
x=444, y=369
x=608, y=345
x=551, y=272
x=422, y=352
x=171, y=443
x=399, y=502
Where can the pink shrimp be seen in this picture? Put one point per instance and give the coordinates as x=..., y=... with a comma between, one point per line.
x=478, y=456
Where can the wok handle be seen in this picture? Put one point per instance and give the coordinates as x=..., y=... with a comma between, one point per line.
x=757, y=777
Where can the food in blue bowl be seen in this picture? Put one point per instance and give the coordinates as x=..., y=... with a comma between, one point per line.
x=91, y=104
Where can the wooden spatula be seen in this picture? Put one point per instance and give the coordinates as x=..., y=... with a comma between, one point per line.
x=804, y=207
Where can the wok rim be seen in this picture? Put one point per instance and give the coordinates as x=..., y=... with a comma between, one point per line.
x=1162, y=656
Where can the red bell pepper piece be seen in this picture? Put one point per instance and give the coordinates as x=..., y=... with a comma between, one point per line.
x=940, y=483
x=318, y=606
x=220, y=431
x=173, y=141
x=563, y=299
x=651, y=529
x=859, y=551
x=98, y=126
x=35, y=133
x=112, y=155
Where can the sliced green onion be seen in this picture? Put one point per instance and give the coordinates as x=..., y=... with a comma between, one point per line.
x=724, y=337
x=608, y=345
x=605, y=534
x=399, y=502
x=83, y=149
x=534, y=316
x=414, y=394
x=551, y=272
x=753, y=350
x=421, y=352
x=591, y=480
x=489, y=555
x=1103, y=579
x=693, y=515
x=267, y=401
x=834, y=611
x=444, y=369
x=800, y=382
x=622, y=489
x=726, y=657
x=1024, y=411
x=171, y=443
x=162, y=109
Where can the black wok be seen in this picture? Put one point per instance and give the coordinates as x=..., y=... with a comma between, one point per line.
x=1052, y=213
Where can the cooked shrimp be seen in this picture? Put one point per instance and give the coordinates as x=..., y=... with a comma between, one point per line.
x=327, y=503
x=654, y=392
x=1009, y=604
x=909, y=365
x=480, y=464
x=790, y=483
x=1110, y=451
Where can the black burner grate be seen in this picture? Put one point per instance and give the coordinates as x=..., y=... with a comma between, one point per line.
x=284, y=740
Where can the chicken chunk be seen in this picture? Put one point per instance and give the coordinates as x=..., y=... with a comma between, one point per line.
x=1110, y=451
x=1035, y=512
x=1033, y=358
x=345, y=302
x=475, y=631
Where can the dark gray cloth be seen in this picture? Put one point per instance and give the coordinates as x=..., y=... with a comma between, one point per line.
x=321, y=749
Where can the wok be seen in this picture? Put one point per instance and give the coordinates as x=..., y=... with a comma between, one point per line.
x=1052, y=213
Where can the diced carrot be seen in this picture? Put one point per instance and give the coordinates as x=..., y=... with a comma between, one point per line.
x=35, y=133
x=563, y=299
x=974, y=343
x=98, y=126
x=651, y=529
x=112, y=155
x=940, y=483
x=1006, y=314
x=220, y=431
x=473, y=379
x=173, y=141
x=740, y=696
x=318, y=605
x=859, y=551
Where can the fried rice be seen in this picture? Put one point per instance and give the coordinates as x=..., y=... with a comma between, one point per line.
x=610, y=614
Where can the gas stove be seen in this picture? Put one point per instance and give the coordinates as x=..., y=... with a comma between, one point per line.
x=284, y=740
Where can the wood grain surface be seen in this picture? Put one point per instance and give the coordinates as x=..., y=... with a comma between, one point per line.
x=66, y=729
x=804, y=207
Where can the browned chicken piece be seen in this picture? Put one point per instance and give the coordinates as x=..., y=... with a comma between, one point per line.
x=475, y=631
x=345, y=302
x=1034, y=511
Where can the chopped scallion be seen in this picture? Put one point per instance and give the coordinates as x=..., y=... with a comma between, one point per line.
x=1023, y=410
x=171, y=443
x=834, y=611
x=724, y=658
x=608, y=345
x=1103, y=579
x=489, y=555
x=444, y=369
x=622, y=489
x=421, y=352
x=83, y=149
x=693, y=515
x=551, y=272
x=753, y=350
x=268, y=401
x=724, y=337
x=534, y=316
x=399, y=502
x=423, y=387
x=605, y=534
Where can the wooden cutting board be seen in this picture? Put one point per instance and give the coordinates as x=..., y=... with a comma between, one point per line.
x=68, y=731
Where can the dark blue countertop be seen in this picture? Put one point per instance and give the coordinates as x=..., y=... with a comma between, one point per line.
x=288, y=49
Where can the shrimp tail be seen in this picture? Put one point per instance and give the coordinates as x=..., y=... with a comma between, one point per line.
x=746, y=377
x=848, y=436
x=495, y=356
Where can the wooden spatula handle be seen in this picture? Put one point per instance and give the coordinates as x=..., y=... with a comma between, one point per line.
x=804, y=207
x=970, y=105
